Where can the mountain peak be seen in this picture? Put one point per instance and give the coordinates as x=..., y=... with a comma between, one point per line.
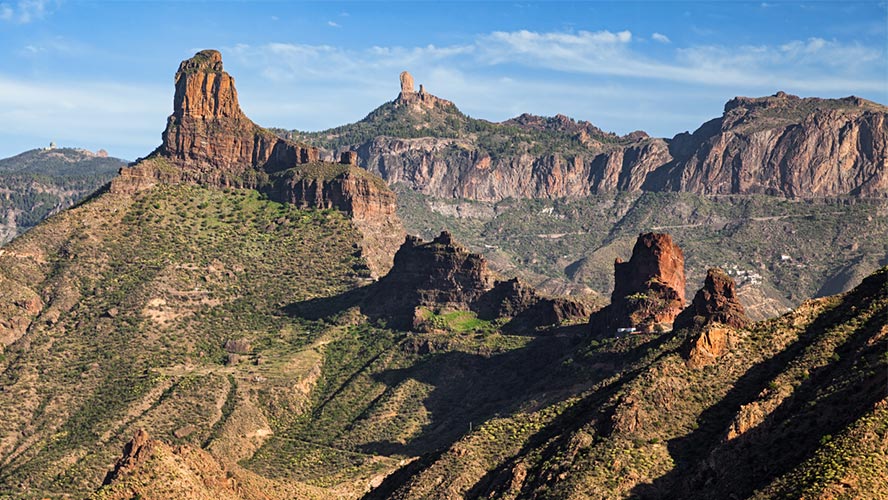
x=204, y=89
x=418, y=100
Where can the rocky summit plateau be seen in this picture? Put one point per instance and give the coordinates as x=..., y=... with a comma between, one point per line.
x=423, y=305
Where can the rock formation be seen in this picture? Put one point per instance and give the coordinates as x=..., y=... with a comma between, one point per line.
x=526, y=308
x=780, y=145
x=784, y=145
x=406, y=83
x=705, y=347
x=716, y=302
x=442, y=275
x=422, y=100
x=649, y=289
x=209, y=140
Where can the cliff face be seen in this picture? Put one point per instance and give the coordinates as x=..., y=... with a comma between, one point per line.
x=209, y=140
x=780, y=145
x=784, y=145
x=210, y=135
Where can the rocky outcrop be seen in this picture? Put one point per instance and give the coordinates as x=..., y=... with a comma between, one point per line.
x=526, y=308
x=136, y=452
x=780, y=145
x=209, y=140
x=716, y=302
x=648, y=289
x=705, y=347
x=208, y=133
x=442, y=275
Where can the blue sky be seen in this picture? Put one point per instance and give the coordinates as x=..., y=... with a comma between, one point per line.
x=100, y=74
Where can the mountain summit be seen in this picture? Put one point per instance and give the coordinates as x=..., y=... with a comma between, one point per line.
x=209, y=140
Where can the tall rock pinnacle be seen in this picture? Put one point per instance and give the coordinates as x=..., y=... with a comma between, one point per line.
x=209, y=134
x=208, y=140
x=649, y=289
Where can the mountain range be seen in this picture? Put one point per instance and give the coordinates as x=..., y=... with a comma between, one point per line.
x=237, y=315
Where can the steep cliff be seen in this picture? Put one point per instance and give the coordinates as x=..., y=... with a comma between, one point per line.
x=780, y=145
x=209, y=140
x=784, y=145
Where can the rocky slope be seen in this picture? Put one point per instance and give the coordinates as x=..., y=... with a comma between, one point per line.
x=41, y=182
x=209, y=140
x=778, y=145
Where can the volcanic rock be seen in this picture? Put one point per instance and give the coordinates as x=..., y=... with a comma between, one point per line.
x=440, y=274
x=135, y=453
x=649, y=289
x=209, y=140
x=707, y=346
x=781, y=145
x=716, y=302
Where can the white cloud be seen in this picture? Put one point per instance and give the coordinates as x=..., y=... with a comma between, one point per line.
x=659, y=37
x=333, y=24
x=23, y=11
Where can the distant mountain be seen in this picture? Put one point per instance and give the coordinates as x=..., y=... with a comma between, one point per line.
x=778, y=145
x=41, y=182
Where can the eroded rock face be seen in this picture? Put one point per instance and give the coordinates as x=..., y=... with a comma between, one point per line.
x=135, y=453
x=209, y=140
x=442, y=275
x=707, y=346
x=778, y=145
x=784, y=145
x=716, y=302
x=208, y=133
x=649, y=289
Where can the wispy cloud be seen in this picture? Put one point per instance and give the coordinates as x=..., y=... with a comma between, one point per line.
x=659, y=37
x=23, y=11
x=604, y=76
x=814, y=65
x=333, y=24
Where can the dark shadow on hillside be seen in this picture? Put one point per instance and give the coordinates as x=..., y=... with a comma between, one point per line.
x=792, y=432
x=473, y=388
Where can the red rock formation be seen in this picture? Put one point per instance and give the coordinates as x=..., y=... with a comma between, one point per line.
x=649, y=289
x=209, y=133
x=135, y=453
x=780, y=145
x=209, y=140
x=716, y=302
x=705, y=347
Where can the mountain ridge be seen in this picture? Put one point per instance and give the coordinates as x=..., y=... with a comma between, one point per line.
x=779, y=145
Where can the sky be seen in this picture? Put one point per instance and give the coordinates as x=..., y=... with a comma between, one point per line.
x=99, y=74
